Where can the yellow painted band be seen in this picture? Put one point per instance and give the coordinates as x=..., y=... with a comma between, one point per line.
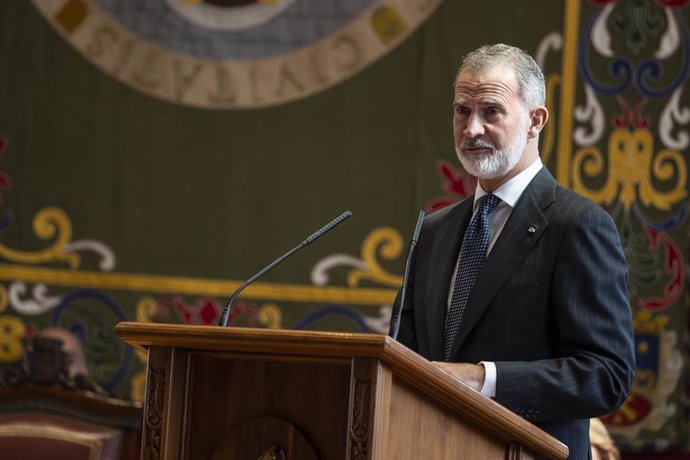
x=196, y=286
x=568, y=79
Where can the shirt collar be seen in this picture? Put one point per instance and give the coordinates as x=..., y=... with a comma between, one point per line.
x=511, y=191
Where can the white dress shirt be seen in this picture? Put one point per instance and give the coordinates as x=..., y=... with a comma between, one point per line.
x=509, y=193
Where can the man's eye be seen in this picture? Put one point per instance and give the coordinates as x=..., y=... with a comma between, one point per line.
x=493, y=111
x=462, y=110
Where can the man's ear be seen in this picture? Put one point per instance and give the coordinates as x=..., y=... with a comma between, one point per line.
x=538, y=118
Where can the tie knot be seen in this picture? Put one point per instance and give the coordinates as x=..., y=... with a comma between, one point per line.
x=487, y=203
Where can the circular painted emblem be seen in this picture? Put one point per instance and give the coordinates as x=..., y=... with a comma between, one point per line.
x=233, y=54
x=229, y=14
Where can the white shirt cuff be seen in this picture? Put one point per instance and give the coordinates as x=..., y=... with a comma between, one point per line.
x=489, y=387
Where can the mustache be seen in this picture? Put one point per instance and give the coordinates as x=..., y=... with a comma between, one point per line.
x=476, y=144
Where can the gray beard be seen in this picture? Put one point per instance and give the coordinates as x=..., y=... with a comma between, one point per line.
x=494, y=164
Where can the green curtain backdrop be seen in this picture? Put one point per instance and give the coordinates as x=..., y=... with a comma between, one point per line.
x=123, y=197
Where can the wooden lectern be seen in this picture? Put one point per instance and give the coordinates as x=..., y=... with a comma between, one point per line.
x=240, y=393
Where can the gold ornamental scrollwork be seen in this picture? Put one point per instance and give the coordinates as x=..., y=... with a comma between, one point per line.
x=4, y=298
x=48, y=223
x=633, y=172
x=388, y=243
x=12, y=332
x=271, y=316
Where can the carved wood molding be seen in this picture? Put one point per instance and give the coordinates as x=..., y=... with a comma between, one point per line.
x=359, y=431
x=275, y=452
x=518, y=452
x=265, y=438
x=153, y=418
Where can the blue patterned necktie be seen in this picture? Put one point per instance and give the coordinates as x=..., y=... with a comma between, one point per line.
x=471, y=260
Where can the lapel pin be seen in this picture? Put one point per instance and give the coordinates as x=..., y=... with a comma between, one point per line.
x=532, y=230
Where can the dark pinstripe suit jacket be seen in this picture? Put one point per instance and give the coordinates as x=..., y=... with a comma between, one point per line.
x=550, y=308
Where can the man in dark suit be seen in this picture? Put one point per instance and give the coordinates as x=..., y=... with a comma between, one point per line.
x=542, y=323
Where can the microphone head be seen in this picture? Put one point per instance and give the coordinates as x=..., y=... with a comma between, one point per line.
x=326, y=228
x=418, y=227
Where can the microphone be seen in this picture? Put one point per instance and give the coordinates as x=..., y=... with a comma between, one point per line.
x=310, y=239
x=397, y=309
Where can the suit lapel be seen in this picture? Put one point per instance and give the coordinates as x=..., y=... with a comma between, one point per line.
x=513, y=245
x=446, y=247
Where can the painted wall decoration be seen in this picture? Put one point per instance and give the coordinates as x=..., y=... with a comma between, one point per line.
x=122, y=197
x=236, y=54
x=630, y=154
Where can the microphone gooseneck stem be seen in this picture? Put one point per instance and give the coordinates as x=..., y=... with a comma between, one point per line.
x=225, y=315
x=226, y=311
x=397, y=309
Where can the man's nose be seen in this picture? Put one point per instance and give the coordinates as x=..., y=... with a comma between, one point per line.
x=474, y=127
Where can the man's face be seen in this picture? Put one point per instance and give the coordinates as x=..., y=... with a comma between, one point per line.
x=490, y=122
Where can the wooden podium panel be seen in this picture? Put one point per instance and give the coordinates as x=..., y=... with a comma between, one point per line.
x=416, y=414
x=241, y=393
x=311, y=396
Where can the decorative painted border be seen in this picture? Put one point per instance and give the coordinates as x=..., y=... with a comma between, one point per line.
x=196, y=286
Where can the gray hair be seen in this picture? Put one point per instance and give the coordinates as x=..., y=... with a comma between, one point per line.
x=531, y=86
